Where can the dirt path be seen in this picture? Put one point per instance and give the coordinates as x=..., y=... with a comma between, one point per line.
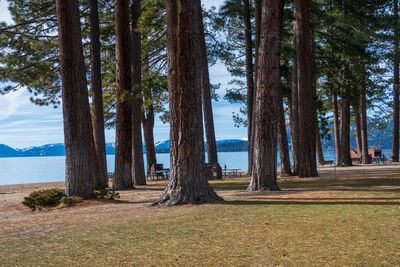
x=17, y=220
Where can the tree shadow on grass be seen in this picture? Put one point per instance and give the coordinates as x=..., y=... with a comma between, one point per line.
x=149, y=188
x=295, y=201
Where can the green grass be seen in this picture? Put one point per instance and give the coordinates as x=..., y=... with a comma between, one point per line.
x=235, y=233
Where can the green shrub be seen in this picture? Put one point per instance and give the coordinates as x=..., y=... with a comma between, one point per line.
x=44, y=198
x=67, y=200
x=54, y=197
x=107, y=193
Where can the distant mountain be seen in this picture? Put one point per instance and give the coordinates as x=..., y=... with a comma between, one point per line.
x=6, y=151
x=161, y=146
x=233, y=145
x=379, y=137
x=43, y=151
x=59, y=150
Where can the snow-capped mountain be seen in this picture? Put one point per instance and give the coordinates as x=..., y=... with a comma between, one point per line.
x=59, y=150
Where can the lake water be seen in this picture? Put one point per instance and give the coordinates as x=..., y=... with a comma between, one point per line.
x=51, y=169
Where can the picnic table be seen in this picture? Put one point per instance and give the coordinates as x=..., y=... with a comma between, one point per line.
x=232, y=173
x=381, y=160
x=158, y=172
x=163, y=173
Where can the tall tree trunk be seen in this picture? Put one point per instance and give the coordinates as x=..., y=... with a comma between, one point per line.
x=139, y=176
x=283, y=143
x=267, y=98
x=212, y=155
x=123, y=132
x=314, y=94
x=306, y=149
x=345, y=159
x=98, y=115
x=363, y=120
x=318, y=145
x=148, y=126
x=257, y=44
x=187, y=182
x=79, y=157
x=357, y=122
x=396, y=85
x=293, y=114
x=249, y=70
x=336, y=130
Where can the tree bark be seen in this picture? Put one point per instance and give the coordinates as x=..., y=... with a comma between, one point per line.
x=123, y=132
x=306, y=149
x=293, y=114
x=318, y=145
x=395, y=144
x=283, y=143
x=267, y=98
x=336, y=130
x=212, y=155
x=98, y=115
x=139, y=176
x=148, y=126
x=249, y=69
x=187, y=182
x=79, y=157
x=257, y=44
x=363, y=121
x=357, y=123
x=345, y=159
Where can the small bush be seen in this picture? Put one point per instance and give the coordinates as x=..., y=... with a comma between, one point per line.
x=44, y=198
x=66, y=200
x=107, y=193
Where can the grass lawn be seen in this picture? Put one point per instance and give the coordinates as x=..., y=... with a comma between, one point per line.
x=356, y=222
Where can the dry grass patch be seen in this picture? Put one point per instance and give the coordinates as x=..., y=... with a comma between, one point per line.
x=312, y=222
x=231, y=234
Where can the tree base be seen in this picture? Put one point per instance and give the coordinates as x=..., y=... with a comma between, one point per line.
x=178, y=196
x=272, y=187
x=285, y=174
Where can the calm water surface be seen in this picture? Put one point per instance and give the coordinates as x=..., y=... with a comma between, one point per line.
x=51, y=169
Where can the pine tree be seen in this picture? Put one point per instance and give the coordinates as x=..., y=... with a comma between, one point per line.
x=123, y=132
x=187, y=182
x=79, y=157
x=267, y=98
x=306, y=163
x=139, y=177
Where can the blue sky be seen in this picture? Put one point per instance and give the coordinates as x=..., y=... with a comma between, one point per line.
x=23, y=124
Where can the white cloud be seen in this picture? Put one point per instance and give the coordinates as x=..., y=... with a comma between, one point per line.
x=28, y=122
x=9, y=103
x=32, y=129
x=4, y=13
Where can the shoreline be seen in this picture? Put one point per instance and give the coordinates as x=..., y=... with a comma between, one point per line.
x=325, y=168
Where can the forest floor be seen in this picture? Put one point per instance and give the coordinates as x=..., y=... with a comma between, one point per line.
x=350, y=216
